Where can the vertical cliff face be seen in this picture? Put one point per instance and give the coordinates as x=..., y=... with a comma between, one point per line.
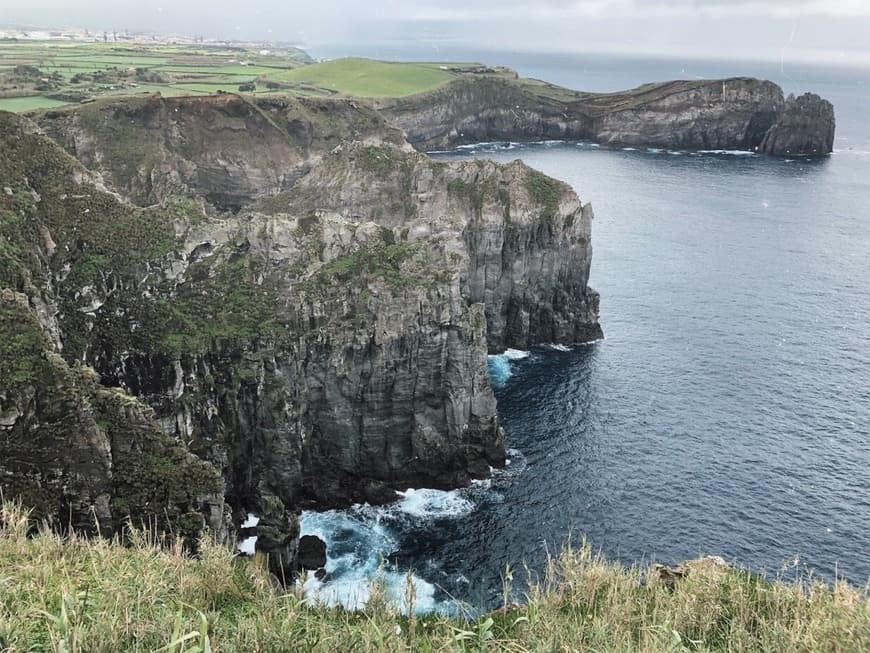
x=530, y=256
x=81, y=455
x=323, y=343
x=736, y=113
x=805, y=127
x=86, y=457
x=478, y=109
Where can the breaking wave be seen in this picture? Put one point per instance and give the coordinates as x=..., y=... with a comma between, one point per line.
x=500, y=365
x=359, y=541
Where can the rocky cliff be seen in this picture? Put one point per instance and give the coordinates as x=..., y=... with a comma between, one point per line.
x=737, y=113
x=275, y=303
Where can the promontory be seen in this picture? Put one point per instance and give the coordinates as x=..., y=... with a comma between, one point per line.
x=227, y=304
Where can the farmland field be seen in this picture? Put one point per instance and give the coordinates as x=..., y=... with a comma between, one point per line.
x=367, y=77
x=28, y=103
x=44, y=74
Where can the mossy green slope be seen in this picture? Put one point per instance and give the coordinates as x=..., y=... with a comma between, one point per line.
x=84, y=456
x=70, y=445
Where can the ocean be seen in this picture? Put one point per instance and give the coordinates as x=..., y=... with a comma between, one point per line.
x=727, y=410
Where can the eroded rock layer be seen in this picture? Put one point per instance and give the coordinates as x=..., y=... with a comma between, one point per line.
x=726, y=114
x=277, y=303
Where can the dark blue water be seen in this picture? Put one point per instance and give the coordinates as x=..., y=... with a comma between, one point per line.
x=728, y=410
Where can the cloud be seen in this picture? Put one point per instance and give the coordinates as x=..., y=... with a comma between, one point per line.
x=823, y=29
x=305, y=12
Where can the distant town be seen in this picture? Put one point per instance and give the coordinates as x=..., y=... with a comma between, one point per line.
x=80, y=35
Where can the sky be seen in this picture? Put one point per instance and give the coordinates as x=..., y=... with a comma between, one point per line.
x=824, y=31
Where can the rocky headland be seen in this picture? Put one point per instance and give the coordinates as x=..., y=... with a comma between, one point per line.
x=218, y=305
x=213, y=306
x=739, y=113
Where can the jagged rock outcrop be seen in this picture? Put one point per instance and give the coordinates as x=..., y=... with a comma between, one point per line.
x=322, y=343
x=805, y=127
x=312, y=552
x=737, y=113
x=221, y=148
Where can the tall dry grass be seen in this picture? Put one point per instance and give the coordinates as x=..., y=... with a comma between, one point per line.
x=75, y=595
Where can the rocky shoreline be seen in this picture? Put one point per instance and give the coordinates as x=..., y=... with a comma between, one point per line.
x=738, y=113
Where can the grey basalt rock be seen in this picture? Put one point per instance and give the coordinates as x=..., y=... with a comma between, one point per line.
x=805, y=127
x=738, y=113
x=326, y=343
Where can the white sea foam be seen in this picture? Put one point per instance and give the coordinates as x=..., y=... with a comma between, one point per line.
x=352, y=592
x=499, y=370
x=516, y=354
x=500, y=365
x=433, y=504
x=728, y=152
x=357, y=542
x=555, y=347
x=248, y=546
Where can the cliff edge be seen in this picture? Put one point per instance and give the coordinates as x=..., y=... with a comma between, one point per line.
x=291, y=305
x=739, y=113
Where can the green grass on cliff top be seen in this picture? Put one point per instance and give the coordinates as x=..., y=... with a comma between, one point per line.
x=196, y=71
x=183, y=70
x=368, y=77
x=28, y=103
x=98, y=596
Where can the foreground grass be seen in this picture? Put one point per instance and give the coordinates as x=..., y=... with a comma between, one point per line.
x=75, y=595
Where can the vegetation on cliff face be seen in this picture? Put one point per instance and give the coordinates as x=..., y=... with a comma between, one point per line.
x=68, y=441
x=96, y=596
x=323, y=342
x=546, y=192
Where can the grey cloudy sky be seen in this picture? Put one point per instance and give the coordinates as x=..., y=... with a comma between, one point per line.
x=797, y=30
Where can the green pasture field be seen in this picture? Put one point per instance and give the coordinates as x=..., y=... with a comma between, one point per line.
x=28, y=103
x=196, y=70
x=368, y=77
x=188, y=70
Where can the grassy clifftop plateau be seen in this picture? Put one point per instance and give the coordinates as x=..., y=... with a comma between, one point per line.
x=96, y=595
x=41, y=75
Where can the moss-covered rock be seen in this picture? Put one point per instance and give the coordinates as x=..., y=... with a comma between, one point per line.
x=322, y=343
x=87, y=457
